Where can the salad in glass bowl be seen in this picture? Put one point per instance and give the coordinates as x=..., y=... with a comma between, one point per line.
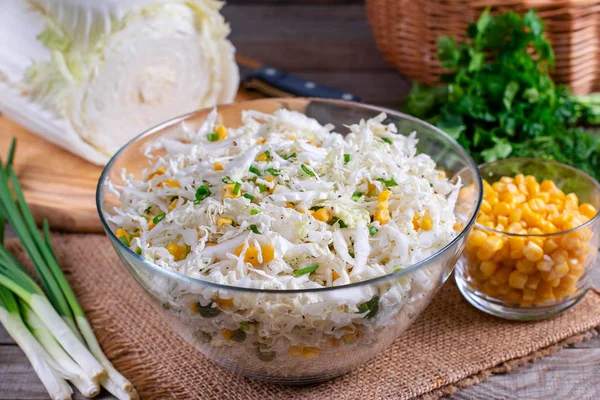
x=290, y=240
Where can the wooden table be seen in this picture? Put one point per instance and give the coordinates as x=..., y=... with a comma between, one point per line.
x=330, y=42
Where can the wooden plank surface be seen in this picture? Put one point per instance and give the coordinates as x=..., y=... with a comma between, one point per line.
x=332, y=44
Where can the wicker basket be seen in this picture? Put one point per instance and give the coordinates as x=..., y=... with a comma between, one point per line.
x=406, y=32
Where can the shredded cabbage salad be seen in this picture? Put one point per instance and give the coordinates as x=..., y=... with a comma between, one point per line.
x=283, y=202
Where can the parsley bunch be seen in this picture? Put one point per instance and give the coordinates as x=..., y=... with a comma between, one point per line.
x=500, y=101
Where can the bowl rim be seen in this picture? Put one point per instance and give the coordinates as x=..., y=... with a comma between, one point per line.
x=397, y=274
x=541, y=161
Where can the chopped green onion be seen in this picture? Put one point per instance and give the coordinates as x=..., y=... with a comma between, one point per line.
x=373, y=230
x=213, y=137
x=273, y=171
x=173, y=198
x=201, y=193
x=255, y=230
x=308, y=270
x=306, y=170
x=227, y=180
x=372, y=306
x=346, y=158
x=248, y=196
x=138, y=251
x=254, y=170
x=356, y=196
x=388, y=141
x=268, y=154
x=238, y=336
x=125, y=240
x=315, y=208
x=342, y=224
x=265, y=356
x=244, y=325
x=254, y=211
x=159, y=217
x=293, y=155
x=398, y=269
x=262, y=187
x=237, y=187
x=147, y=210
x=389, y=182
x=208, y=311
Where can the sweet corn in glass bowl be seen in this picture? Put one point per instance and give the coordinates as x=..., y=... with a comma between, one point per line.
x=294, y=336
x=535, y=240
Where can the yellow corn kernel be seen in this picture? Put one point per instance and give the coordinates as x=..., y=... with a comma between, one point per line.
x=310, y=352
x=295, y=350
x=334, y=275
x=476, y=238
x=544, y=265
x=384, y=196
x=519, y=179
x=159, y=171
x=193, y=307
x=544, y=292
x=516, y=254
x=486, y=208
x=179, y=252
x=227, y=333
x=122, y=233
x=502, y=208
x=293, y=137
x=261, y=157
x=224, y=302
x=513, y=296
x=322, y=214
x=494, y=243
x=548, y=276
x=173, y=204
x=383, y=216
x=503, y=289
x=490, y=289
x=559, y=256
x=170, y=183
x=561, y=270
x=227, y=191
x=224, y=221
x=218, y=166
x=516, y=242
x=515, y=227
x=335, y=342
x=548, y=186
x=588, y=210
x=268, y=253
x=549, y=246
x=533, y=281
x=499, y=186
x=484, y=253
x=533, y=252
x=426, y=222
x=251, y=255
x=221, y=132
x=525, y=266
x=517, y=280
x=500, y=277
x=528, y=295
x=569, y=280
x=502, y=220
x=533, y=187
x=371, y=188
x=261, y=141
x=488, y=268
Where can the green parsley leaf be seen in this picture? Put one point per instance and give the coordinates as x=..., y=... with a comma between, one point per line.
x=254, y=229
x=254, y=170
x=372, y=306
x=201, y=193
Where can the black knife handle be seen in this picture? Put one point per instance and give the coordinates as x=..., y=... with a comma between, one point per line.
x=264, y=78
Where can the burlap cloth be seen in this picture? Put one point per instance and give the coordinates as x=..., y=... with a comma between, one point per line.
x=451, y=345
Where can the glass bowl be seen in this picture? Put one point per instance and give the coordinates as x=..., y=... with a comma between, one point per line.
x=514, y=273
x=237, y=334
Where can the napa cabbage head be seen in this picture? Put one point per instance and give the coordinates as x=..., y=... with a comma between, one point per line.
x=91, y=75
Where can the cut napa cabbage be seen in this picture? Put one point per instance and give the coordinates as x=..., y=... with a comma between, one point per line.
x=91, y=75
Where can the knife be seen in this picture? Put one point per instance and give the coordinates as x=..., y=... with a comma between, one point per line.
x=276, y=83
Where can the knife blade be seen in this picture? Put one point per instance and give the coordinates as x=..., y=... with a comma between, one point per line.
x=276, y=83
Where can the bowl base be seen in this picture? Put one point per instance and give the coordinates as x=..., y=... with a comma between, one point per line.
x=515, y=313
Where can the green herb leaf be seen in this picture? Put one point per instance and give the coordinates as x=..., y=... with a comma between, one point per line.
x=201, y=193
x=306, y=170
x=237, y=187
x=356, y=196
x=159, y=217
x=388, y=182
x=372, y=306
x=207, y=312
x=307, y=270
x=254, y=229
x=254, y=170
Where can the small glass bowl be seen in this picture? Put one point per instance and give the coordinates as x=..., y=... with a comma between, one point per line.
x=490, y=280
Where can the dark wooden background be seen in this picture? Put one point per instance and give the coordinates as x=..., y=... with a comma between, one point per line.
x=330, y=42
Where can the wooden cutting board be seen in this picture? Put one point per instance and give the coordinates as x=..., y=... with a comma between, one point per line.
x=58, y=185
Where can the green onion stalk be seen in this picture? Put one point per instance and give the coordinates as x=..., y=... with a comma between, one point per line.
x=60, y=312
x=50, y=373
